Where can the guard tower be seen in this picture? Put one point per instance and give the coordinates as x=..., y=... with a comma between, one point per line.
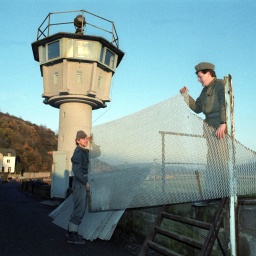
x=77, y=68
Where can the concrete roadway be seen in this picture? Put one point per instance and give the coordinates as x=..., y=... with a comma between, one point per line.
x=27, y=230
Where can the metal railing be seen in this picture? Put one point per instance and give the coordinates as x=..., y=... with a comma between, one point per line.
x=53, y=19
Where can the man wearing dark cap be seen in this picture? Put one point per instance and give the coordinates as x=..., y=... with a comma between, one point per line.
x=212, y=103
x=80, y=186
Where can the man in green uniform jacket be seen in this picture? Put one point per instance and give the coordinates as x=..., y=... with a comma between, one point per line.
x=211, y=100
x=212, y=103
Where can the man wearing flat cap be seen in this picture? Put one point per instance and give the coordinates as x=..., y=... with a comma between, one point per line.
x=80, y=185
x=211, y=101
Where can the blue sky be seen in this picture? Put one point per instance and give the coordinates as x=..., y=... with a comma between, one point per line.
x=162, y=40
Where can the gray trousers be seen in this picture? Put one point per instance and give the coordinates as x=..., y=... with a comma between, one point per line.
x=217, y=179
x=80, y=203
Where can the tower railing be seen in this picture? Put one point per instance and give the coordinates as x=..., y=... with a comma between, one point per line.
x=66, y=19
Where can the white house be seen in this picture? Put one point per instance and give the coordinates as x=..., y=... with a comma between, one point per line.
x=7, y=160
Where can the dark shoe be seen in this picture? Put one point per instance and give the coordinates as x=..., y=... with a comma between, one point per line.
x=74, y=238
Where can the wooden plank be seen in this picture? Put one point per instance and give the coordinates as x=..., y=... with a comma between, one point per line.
x=162, y=249
x=185, y=240
x=192, y=222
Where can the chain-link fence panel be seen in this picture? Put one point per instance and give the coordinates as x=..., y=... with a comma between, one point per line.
x=166, y=154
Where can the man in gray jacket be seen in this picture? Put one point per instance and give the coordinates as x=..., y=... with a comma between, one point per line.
x=80, y=186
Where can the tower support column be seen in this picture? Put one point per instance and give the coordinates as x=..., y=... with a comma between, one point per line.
x=73, y=116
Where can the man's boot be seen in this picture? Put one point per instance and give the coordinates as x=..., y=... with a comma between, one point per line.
x=74, y=238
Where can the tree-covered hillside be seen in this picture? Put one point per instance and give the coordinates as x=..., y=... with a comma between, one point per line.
x=33, y=144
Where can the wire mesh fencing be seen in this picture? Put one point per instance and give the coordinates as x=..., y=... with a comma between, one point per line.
x=166, y=154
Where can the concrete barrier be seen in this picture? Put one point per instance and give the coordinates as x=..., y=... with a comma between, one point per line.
x=37, y=188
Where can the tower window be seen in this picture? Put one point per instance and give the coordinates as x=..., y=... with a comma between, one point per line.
x=56, y=78
x=109, y=58
x=78, y=77
x=99, y=82
x=54, y=50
